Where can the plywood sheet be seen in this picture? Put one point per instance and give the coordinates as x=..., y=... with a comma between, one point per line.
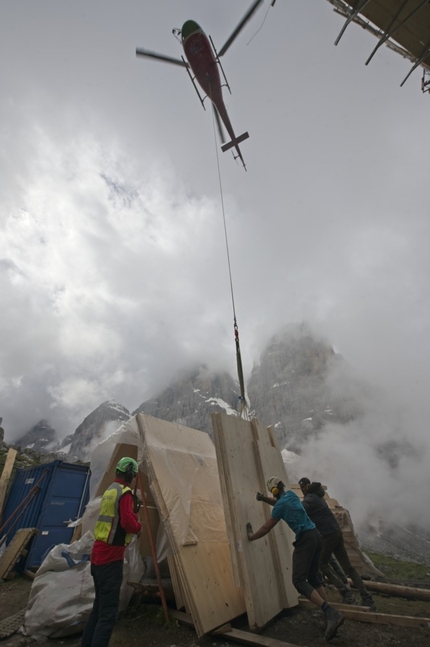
x=183, y=473
x=15, y=550
x=246, y=459
x=5, y=476
x=270, y=463
x=176, y=584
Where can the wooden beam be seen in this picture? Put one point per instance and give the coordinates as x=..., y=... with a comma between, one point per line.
x=237, y=635
x=15, y=550
x=409, y=592
x=5, y=476
x=357, y=613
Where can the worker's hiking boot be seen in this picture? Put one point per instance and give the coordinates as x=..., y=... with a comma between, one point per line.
x=348, y=597
x=368, y=601
x=334, y=620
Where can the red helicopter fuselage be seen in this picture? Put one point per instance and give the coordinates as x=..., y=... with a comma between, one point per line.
x=203, y=62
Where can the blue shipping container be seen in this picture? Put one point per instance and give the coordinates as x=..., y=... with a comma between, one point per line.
x=62, y=497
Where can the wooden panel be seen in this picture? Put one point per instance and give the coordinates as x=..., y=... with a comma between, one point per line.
x=246, y=459
x=176, y=583
x=5, y=476
x=15, y=550
x=183, y=474
x=270, y=463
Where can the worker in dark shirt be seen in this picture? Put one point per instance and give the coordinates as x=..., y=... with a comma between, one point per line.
x=306, y=579
x=332, y=542
x=115, y=526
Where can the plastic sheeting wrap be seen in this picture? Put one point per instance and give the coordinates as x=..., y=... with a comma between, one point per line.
x=127, y=434
x=131, y=441
x=62, y=593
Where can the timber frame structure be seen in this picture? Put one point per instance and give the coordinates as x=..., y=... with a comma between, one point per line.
x=402, y=25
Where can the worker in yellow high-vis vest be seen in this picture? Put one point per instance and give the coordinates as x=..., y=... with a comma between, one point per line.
x=116, y=524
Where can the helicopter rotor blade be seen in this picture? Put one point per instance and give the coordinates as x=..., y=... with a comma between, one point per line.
x=219, y=125
x=161, y=57
x=240, y=26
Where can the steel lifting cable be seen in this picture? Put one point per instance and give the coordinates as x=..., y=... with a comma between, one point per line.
x=242, y=403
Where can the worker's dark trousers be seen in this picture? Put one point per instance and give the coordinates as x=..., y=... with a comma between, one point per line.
x=333, y=543
x=306, y=557
x=107, y=584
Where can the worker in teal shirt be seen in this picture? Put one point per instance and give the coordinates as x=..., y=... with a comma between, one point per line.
x=307, y=548
x=289, y=508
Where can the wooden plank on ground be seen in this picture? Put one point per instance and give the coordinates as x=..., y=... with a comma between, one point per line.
x=409, y=592
x=5, y=476
x=358, y=614
x=183, y=474
x=15, y=549
x=243, y=637
x=246, y=459
x=307, y=604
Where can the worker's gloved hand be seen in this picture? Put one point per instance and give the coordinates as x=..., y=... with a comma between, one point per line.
x=259, y=496
x=249, y=530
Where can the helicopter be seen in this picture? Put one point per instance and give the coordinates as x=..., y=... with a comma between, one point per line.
x=204, y=60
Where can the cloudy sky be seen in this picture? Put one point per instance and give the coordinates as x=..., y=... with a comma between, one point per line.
x=113, y=270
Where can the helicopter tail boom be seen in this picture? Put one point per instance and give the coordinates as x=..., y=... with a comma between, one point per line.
x=234, y=142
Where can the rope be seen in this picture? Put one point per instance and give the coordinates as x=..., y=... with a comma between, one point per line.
x=264, y=20
x=242, y=403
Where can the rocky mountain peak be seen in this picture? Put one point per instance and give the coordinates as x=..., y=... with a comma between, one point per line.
x=96, y=427
x=192, y=397
x=41, y=438
x=295, y=387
